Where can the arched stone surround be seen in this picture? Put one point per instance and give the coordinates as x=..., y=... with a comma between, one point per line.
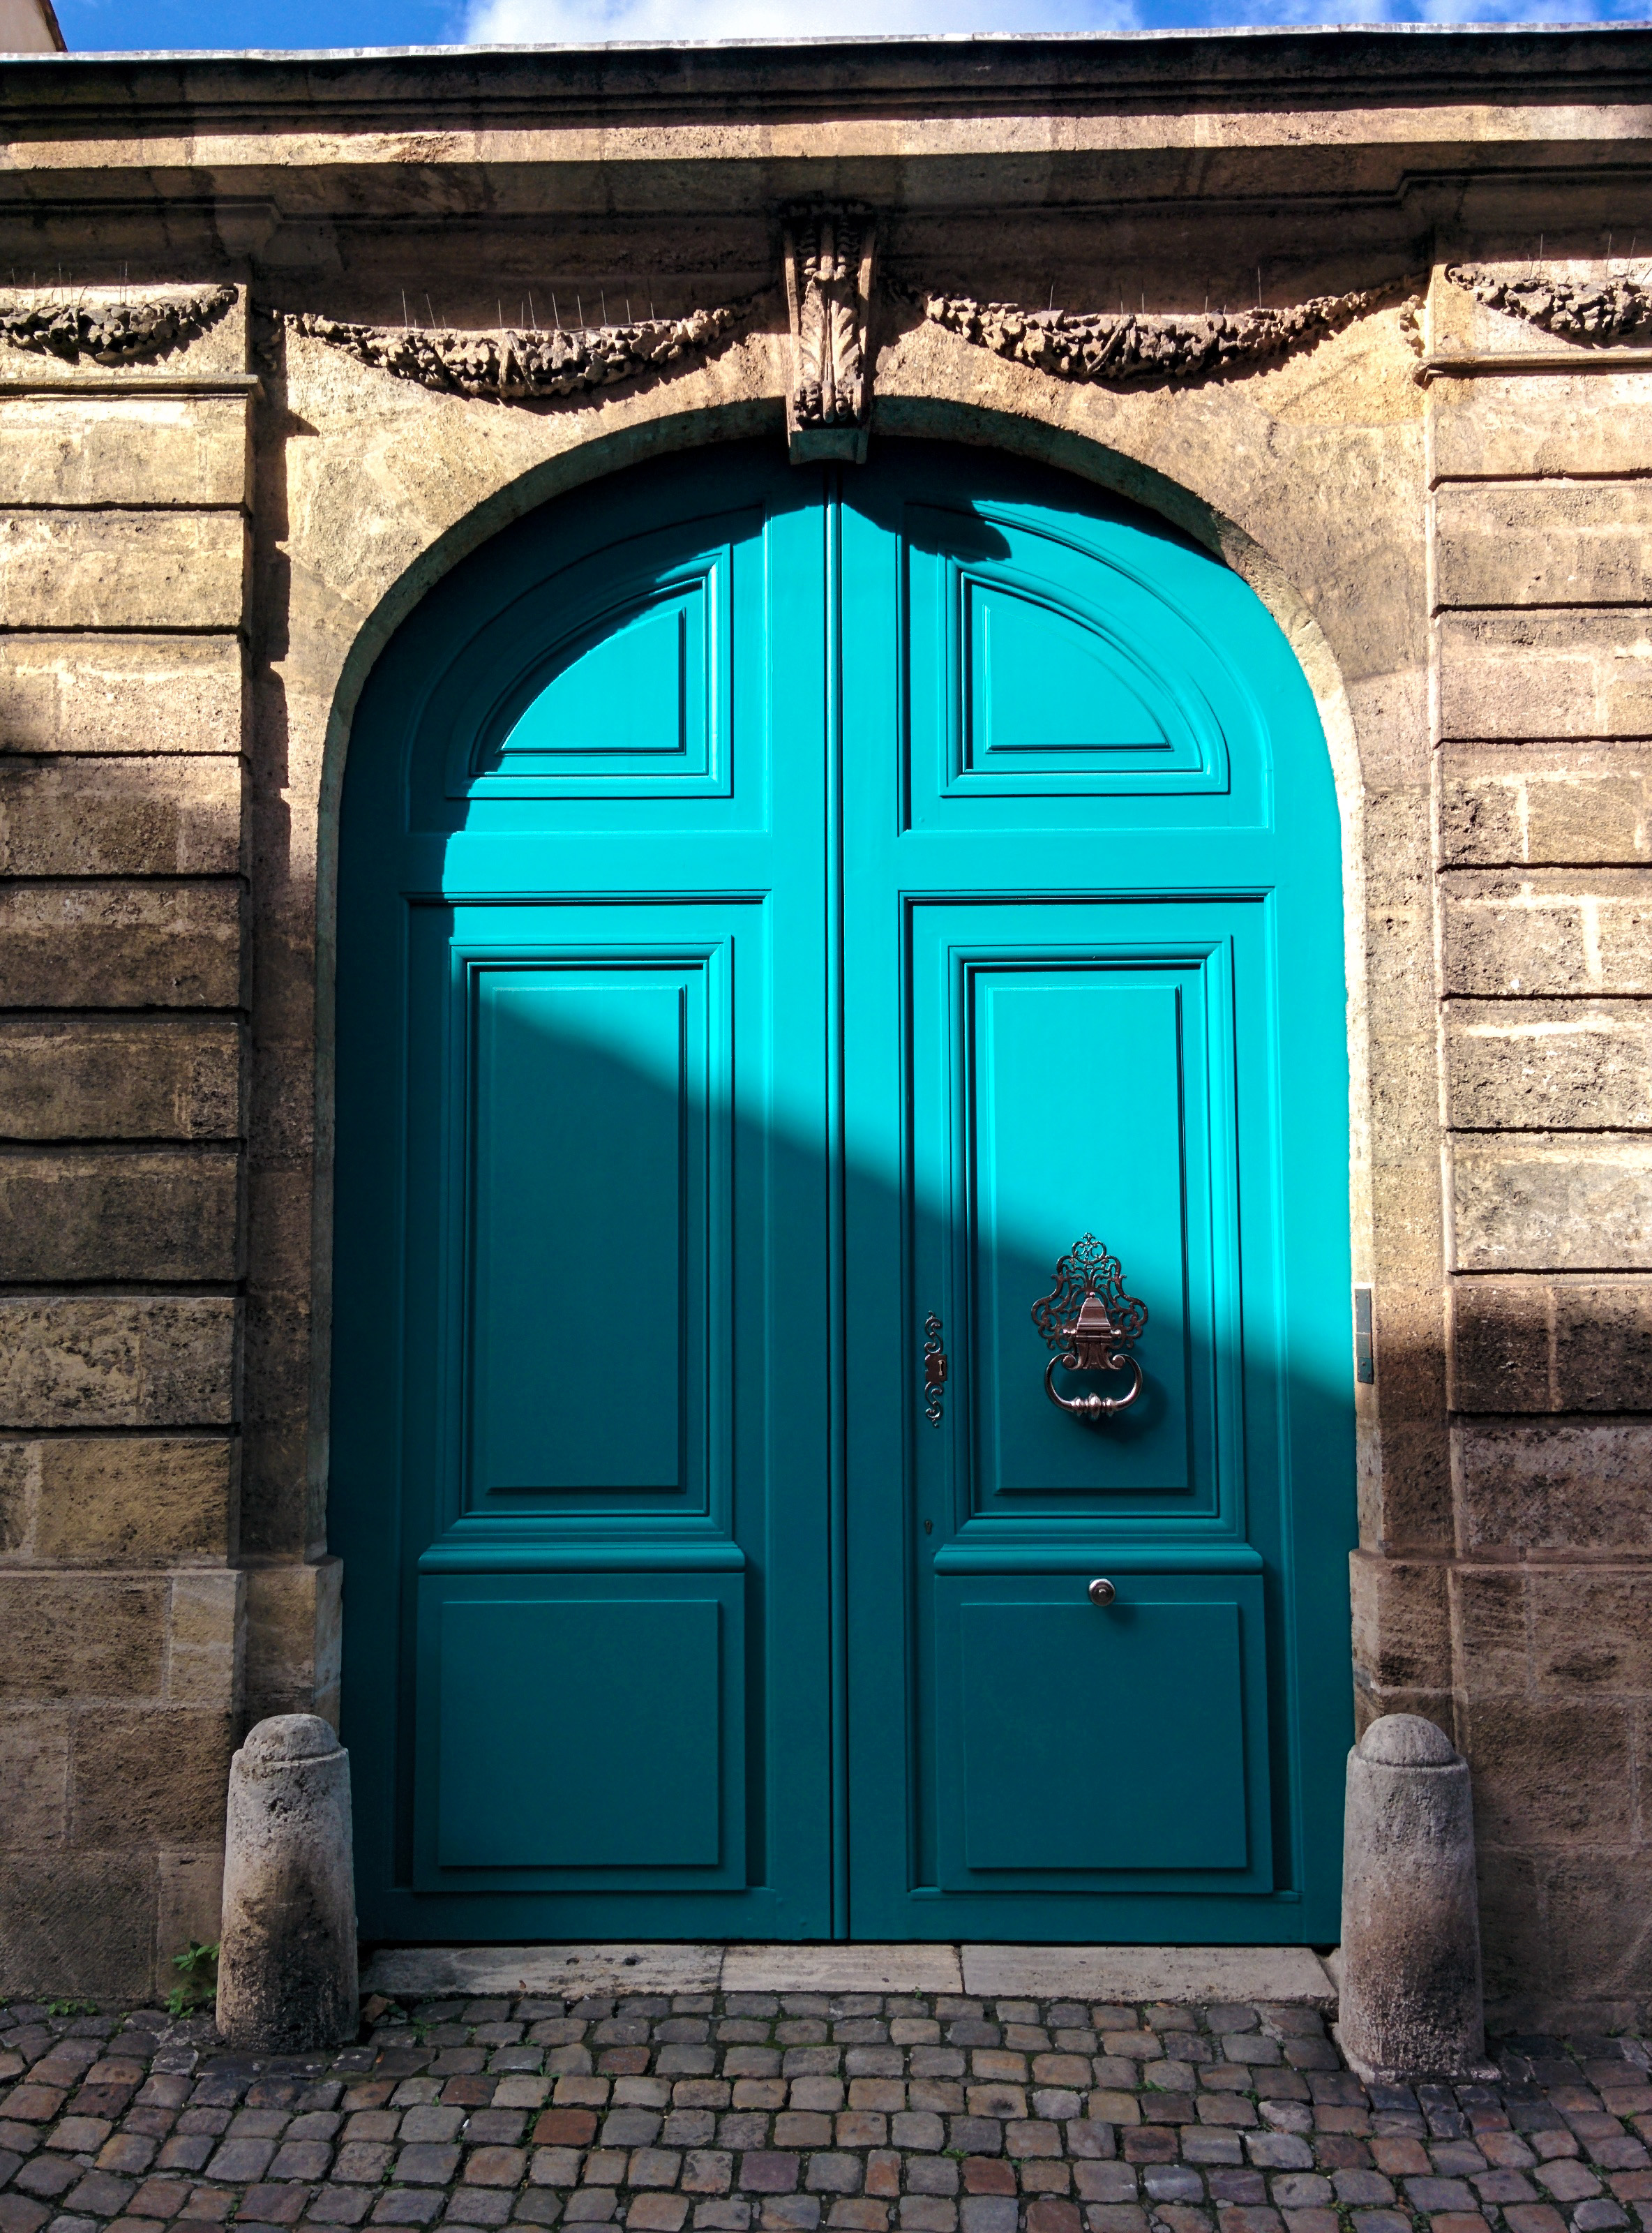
x=1307, y=478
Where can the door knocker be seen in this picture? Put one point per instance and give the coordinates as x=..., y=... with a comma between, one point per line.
x=1092, y=1325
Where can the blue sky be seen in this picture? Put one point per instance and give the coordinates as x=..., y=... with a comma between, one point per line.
x=138, y=23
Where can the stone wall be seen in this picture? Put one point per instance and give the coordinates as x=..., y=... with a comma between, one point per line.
x=200, y=558
x=1543, y=662
x=123, y=559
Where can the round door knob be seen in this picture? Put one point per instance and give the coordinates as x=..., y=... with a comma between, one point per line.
x=1101, y=1592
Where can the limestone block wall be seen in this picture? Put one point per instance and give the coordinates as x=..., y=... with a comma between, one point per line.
x=197, y=568
x=1542, y=578
x=124, y=512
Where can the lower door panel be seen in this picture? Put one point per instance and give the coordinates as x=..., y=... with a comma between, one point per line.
x=1086, y=1748
x=581, y=1732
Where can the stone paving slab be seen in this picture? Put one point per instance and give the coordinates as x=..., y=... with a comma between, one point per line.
x=666, y=1967
x=1149, y=1973
x=765, y=2112
x=1118, y=1973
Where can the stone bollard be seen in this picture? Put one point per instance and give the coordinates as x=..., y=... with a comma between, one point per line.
x=287, y=1963
x=1410, y=1990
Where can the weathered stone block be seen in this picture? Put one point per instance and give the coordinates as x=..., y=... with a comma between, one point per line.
x=121, y=1213
x=1504, y=427
x=1405, y=1487
x=151, y=1077
x=1527, y=1065
x=1589, y=1896
x=121, y=693
x=1525, y=1485
x=1550, y=544
x=1517, y=675
x=1546, y=803
x=1515, y=1941
x=19, y=1497
x=1532, y=1344
x=1502, y=1345
x=1602, y=1344
x=1548, y=932
x=34, y=1774
x=204, y=1643
x=138, y=449
x=1407, y=1218
x=1399, y=970
x=190, y=1904
x=1401, y=1625
x=122, y=570
x=148, y=1776
x=1404, y=1075
x=117, y=1361
x=1591, y=1630
x=1488, y=1623
x=81, y=1636
x=78, y=1923
x=1550, y=1774
x=120, y=946
x=121, y=818
x=295, y=1638
x=120, y=1499
x=1549, y=1202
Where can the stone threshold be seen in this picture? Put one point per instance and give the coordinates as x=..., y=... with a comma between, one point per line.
x=1276, y=1973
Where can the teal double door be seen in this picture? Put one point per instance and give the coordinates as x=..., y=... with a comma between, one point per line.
x=781, y=913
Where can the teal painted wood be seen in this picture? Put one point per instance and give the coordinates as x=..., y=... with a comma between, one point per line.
x=1092, y=895
x=771, y=913
x=578, y=1479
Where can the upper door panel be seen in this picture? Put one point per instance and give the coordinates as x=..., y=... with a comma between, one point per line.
x=1053, y=664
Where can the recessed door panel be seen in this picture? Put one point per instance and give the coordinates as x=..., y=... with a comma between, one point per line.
x=590, y=1180
x=581, y=1730
x=1136, y=1723
x=627, y=695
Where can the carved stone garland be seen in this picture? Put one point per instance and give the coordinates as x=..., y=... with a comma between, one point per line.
x=514, y=366
x=1116, y=350
x=112, y=332
x=830, y=255
x=1588, y=310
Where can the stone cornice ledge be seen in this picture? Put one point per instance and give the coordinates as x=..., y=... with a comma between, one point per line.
x=1130, y=348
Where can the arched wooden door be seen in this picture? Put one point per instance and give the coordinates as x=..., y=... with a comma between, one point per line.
x=782, y=912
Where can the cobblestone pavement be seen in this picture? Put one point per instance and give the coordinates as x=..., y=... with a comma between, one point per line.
x=786, y=2113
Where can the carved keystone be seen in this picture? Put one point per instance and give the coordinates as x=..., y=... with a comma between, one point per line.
x=287, y=1965
x=828, y=257
x=1410, y=1994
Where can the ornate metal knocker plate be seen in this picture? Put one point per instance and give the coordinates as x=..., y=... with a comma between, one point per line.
x=1092, y=1325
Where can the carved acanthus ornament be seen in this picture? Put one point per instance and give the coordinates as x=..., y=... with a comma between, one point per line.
x=830, y=255
x=1130, y=347
x=508, y=365
x=1584, y=309
x=111, y=333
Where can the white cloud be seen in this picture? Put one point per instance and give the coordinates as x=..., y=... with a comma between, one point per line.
x=512, y=22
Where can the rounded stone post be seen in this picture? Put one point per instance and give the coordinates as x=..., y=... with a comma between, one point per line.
x=287, y=1961
x=1410, y=1990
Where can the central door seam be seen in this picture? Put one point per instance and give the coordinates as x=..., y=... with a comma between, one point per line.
x=837, y=1582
